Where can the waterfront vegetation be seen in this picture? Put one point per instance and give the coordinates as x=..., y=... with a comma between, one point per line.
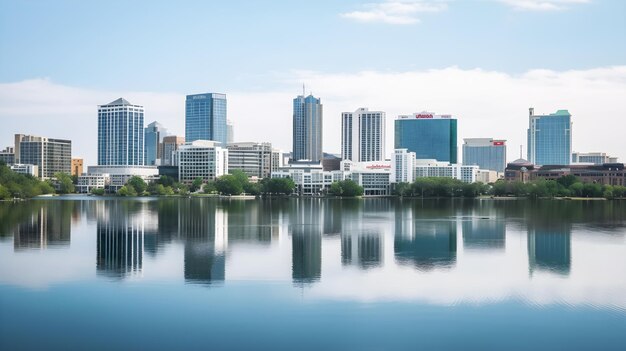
x=346, y=188
x=15, y=185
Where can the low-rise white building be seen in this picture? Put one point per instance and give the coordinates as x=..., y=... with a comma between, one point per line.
x=201, y=159
x=20, y=168
x=373, y=176
x=87, y=182
x=119, y=175
x=405, y=168
x=488, y=176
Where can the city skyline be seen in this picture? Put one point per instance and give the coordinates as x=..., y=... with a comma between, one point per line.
x=482, y=87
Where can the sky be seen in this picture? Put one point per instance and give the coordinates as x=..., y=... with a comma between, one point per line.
x=483, y=61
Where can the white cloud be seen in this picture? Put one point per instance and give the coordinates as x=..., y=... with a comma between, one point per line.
x=542, y=5
x=395, y=12
x=486, y=103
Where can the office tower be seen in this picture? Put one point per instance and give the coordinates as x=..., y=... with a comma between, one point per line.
x=77, y=166
x=307, y=129
x=120, y=134
x=201, y=159
x=49, y=155
x=402, y=166
x=255, y=159
x=171, y=143
x=8, y=155
x=550, y=138
x=429, y=135
x=230, y=132
x=277, y=159
x=363, y=135
x=597, y=158
x=486, y=153
x=153, y=137
x=205, y=118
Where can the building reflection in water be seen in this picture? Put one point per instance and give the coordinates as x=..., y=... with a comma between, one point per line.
x=484, y=233
x=120, y=243
x=44, y=225
x=424, y=243
x=306, y=241
x=203, y=227
x=549, y=248
x=364, y=249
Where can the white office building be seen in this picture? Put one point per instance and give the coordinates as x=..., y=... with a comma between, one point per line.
x=254, y=159
x=21, y=168
x=363, y=135
x=373, y=176
x=119, y=175
x=402, y=166
x=87, y=182
x=201, y=159
x=434, y=168
x=597, y=158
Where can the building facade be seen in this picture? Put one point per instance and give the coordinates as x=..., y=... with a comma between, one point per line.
x=77, y=166
x=49, y=155
x=549, y=138
x=119, y=175
x=87, y=182
x=596, y=158
x=486, y=153
x=254, y=159
x=201, y=159
x=8, y=155
x=205, y=118
x=434, y=168
x=428, y=135
x=363, y=135
x=402, y=166
x=307, y=129
x=171, y=143
x=230, y=132
x=27, y=169
x=153, y=139
x=605, y=174
x=120, y=134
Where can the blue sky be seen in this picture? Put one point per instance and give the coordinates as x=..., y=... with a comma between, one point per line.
x=255, y=47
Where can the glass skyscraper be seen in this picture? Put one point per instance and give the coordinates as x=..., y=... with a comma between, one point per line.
x=550, y=138
x=485, y=153
x=120, y=134
x=307, y=129
x=205, y=118
x=428, y=135
x=153, y=136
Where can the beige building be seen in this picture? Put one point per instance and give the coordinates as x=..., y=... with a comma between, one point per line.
x=77, y=166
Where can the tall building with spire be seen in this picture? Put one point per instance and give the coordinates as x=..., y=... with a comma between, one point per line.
x=120, y=134
x=307, y=129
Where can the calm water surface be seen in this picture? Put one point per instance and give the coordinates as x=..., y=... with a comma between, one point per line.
x=312, y=274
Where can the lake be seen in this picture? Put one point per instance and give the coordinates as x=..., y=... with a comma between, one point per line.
x=87, y=273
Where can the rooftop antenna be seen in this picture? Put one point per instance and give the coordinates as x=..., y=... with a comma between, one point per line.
x=303, y=90
x=520, y=151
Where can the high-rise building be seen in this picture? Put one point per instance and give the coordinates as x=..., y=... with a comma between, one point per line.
x=8, y=155
x=277, y=159
x=49, y=155
x=486, y=153
x=363, y=135
x=307, y=129
x=170, y=145
x=255, y=159
x=550, y=138
x=201, y=159
x=77, y=166
x=230, y=132
x=402, y=166
x=120, y=134
x=597, y=158
x=153, y=137
x=205, y=118
x=429, y=135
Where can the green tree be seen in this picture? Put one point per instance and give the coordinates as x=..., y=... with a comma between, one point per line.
x=402, y=189
x=97, y=191
x=209, y=187
x=4, y=193
x=335, y=189
x=196, y=184
x=228, y=185
x=252, y=188
x=567, y=180
x=65, y=182
x=347, y=188
x=127, y=190
x=138, y=185
x=283, y=186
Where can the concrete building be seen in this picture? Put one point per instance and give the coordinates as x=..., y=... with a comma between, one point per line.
x=153, y=138
x=278, y=157
x=201, y=159
x=49, y=155
x=402, y=166
x=8, y=155
x=255, y=159
x=77, y=166
x=596, y=158
x=27, y=169
x=428, y=135
x=486, y=153
x=205, y=118
x=488, y=176
x=230, y=132
x=363, y=135
x=550, y=138
x=119, y=175
x=87, y=182
x=373, y=176
x=309, y=177
x=434, y=168
x=171, y=143
x=606, y=174
x=120, y=134
x=307, y=129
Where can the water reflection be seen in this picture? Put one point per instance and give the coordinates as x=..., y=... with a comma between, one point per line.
x=484, y=233
x=45, y=225
x=549, y=248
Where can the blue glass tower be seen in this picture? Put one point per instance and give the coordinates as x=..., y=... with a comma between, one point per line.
x=430, y=136
x=307, y=129
x=550, y=138
x=205, y=117
x=153, y=138
x=487, y=153
x=120, y=134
